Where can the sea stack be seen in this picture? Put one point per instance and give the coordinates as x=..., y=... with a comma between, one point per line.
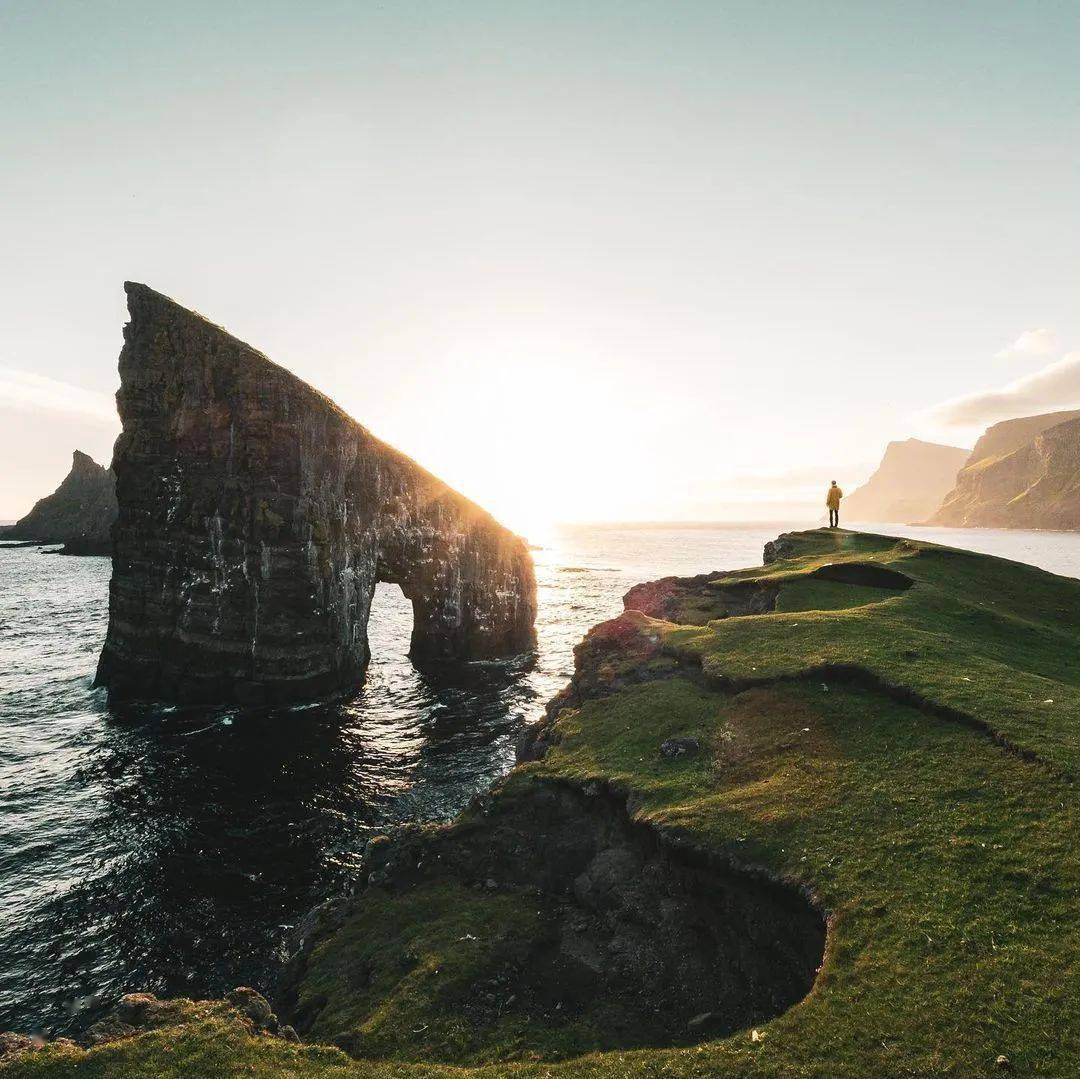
x=255, y=518
x=79, y=513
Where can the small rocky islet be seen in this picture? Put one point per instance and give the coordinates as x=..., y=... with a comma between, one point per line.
x=79, y=515
x=815, y=817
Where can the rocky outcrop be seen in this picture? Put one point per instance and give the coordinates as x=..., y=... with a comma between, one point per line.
x=909, y=484
x=79, y=514
x=693, y=601
x=630, y=920
x=1035, y=485
x=256, y=518
x=245, y=1010
x=777, y=550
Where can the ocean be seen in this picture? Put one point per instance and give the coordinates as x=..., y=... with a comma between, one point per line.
x=169, y=850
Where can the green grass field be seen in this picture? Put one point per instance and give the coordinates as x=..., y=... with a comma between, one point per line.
x=905, y=755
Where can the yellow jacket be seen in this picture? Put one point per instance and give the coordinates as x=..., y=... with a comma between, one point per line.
x=832, y=499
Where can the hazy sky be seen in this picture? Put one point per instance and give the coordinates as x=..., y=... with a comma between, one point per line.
x=598, y=260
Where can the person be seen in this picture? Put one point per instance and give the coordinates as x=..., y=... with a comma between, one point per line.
x=832, y=500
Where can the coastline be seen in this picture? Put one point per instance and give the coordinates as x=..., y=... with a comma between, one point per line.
x=546, y=885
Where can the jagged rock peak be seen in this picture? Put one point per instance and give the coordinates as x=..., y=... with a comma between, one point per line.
x=79, y=513
x=255, y=519
x=83, y=462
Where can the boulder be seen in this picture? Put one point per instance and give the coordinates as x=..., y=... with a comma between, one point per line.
x=680, y=747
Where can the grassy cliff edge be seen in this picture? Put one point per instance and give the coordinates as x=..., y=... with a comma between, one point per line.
x=815, y=818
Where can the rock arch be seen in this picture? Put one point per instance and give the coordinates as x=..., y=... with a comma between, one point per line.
x=255, y=518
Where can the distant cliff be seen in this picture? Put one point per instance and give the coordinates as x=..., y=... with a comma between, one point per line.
x=256, y=518
x=1002, y=438
x=79, y=513
x=1013, y=481
x=909, y=484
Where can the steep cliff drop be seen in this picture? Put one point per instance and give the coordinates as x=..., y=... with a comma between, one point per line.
x=909, y=484
x=256, y=518
x=1022, y=474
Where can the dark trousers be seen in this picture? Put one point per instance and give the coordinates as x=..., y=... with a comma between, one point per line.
x=834, y=518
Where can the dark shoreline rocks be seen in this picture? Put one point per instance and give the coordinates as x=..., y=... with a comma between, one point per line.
x=256, y=518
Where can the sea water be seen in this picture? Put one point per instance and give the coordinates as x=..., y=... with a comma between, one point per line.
x=171, y=849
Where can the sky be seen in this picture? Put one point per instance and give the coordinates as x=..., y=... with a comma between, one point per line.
x=604, y=261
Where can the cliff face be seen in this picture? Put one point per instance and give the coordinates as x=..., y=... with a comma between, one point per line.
x=1002, y=438
x=909, y=484
x=1034, y=486
x=256, y=518
x=79, y=513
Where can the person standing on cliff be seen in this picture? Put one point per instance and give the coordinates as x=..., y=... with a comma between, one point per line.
x=832, y=500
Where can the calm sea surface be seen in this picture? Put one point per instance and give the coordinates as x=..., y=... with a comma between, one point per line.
x=170, y=850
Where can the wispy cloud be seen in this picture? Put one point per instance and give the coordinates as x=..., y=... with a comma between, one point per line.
x=1056, y=386
x=1032, y=343
x=27, y=392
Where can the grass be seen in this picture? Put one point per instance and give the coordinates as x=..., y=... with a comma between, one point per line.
x=908, y=757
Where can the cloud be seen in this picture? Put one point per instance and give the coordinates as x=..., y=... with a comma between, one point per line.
x=1056, y=386
x=1040, y=342
x=27, y=392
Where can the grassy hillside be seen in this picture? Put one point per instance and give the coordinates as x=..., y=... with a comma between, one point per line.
x=891, y=744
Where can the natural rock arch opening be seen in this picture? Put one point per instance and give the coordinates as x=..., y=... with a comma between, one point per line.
x=390, y=623
x=255, y=518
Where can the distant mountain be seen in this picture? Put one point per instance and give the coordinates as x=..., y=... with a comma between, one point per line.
x=79, y=513
x=909, y=484
x=1022, y=474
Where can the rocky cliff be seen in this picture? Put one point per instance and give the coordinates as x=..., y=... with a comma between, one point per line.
x=79, y=513
x=256, y=518
x=909, y=484
x=1002, y=438
x=1034, y=486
